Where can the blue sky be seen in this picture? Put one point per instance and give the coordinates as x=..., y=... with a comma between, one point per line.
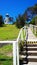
x=15, y=7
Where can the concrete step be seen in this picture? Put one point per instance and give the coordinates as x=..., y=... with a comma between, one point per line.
x=32, y=54
x=30, y=44
x=32, y=58
x=32, y=48
x=32, y=51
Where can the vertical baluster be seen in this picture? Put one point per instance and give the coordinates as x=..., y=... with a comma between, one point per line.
x=22, y=35
x=14, y=53
x=17, y=53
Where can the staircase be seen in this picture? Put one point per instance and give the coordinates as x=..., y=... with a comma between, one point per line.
x=28, y=53
x=32, y=52
x=24, y=54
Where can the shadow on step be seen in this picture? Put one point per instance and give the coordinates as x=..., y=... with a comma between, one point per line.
x=23, y=61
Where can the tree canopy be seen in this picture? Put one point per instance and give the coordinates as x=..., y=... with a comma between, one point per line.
x=20, y=22
x=31, y=11
x=1, y=21
x=34, y=21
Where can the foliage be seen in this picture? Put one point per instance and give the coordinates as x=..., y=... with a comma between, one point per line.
x=34, y=21
x=20, y=22
x=33, y=10
x=30, y=13
x=21, y=44
x=1, y=21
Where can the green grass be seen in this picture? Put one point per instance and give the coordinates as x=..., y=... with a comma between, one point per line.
x=8, y=32
x=4, y=59
x=6, y=62
x=6, y=48
x=2, y=56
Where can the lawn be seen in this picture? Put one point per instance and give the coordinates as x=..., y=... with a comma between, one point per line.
x=7, y=62
x=5, y=57
x=8, y=32
x=7, y=48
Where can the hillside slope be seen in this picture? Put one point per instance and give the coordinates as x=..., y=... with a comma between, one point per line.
x=8, y=32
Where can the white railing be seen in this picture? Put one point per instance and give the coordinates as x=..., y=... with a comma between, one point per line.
x=34, y=28
x=14, y=49
x=20, y=38
x=16, y=46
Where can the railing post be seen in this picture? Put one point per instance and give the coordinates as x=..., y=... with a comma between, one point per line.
x=17, y=53
x=14, y=53
x=21, y=35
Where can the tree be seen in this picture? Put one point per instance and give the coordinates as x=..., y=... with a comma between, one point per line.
x=34, y=21
x=1, y=21
x=28, y=15
x=20, y=22
x=31, y=12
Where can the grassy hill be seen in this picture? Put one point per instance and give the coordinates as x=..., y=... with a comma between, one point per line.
x=8, y=32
